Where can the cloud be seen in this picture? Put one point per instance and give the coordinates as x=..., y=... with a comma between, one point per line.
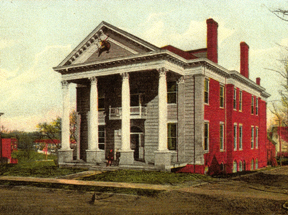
x=193, y=37
x=27, y=96
x=5, y=43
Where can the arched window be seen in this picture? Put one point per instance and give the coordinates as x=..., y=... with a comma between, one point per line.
x=234, y=166
x=240, y=166
x=256, y=165
x=252, y=165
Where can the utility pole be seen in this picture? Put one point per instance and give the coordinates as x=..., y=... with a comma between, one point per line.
x=1, y=139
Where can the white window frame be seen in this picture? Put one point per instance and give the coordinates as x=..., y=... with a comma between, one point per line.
x=252, y=164
x=240, y=168
x=235, y=136
x=240, y=136
x=256, y=164
x=222, y=136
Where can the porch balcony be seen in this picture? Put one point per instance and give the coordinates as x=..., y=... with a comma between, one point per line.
x=136, y=112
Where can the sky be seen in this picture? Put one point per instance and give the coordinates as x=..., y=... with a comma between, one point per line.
x=36, y=35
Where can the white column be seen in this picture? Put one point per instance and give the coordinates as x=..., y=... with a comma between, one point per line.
x=65, y=127
x=162, y=101
x=93, y=120
x=125, y=113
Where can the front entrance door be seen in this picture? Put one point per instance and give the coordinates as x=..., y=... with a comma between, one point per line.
x=137, y=144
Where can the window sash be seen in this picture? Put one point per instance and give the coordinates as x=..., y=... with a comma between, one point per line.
x=235, y=137
x=172, y=92
x=221, y=136
x=256, y=137
x=252, y=105
x=172, y=136
x=222, y=90
x=234, y=99
x=252, y=137
x=206, y=91
x=206, y=136
x=256, y=111
x=240, y=136
x=240, y=100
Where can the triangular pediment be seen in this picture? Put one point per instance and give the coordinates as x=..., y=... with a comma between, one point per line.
x=107, y=42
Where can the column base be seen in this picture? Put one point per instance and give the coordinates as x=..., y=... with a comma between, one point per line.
x=65, y=155
x=126, y=157
x=162, y=158
x=95, y=156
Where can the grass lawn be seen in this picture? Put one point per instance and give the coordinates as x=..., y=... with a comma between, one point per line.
x=136, y=176
x=37, y=165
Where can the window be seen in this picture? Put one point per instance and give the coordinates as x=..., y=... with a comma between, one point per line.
x=252, y=137
x=206, y=136
x=222, y=91
x=235, y=137
x=101, y=101
x=252, y=105
x=234, y=166
x=240, y=166
x=256, y=137
x=221, y=136
x=172, y=136
x=172, y=92
x=252, y=165
x=101, y=136
x=240, y=136
x=256, y=164
x=234, y=99
x=240, y=100
x=206, y=91
x=256, y=108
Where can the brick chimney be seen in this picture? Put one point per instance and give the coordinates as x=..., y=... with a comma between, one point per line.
x=258, y=81
x=244, y=59
x=212, y=40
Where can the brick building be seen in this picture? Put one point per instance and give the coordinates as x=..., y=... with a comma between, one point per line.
x=163, y=106
x=8, y=146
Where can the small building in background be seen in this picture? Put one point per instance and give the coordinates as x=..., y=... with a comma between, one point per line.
x=9, y=145
x=279, y=136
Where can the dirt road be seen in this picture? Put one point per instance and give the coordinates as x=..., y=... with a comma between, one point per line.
x=261, y=193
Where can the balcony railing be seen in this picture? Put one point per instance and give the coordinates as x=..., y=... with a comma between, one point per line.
x=136, y=112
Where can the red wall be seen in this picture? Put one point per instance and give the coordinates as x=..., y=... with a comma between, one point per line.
x=214, y=114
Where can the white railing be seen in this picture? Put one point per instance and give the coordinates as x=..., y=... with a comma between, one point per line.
x=136, y=112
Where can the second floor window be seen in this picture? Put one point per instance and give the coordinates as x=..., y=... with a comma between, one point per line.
x=222, y=91
x=172, y=92
x=252, y=105
x=234, y=98
x=240, y=100
x=256, y=108
x=256, y=137
x=206, y=91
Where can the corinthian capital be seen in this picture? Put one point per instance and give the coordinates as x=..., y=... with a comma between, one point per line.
x=162, y=71
x=125, y=75
x=93, y=80
x=64, y=84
